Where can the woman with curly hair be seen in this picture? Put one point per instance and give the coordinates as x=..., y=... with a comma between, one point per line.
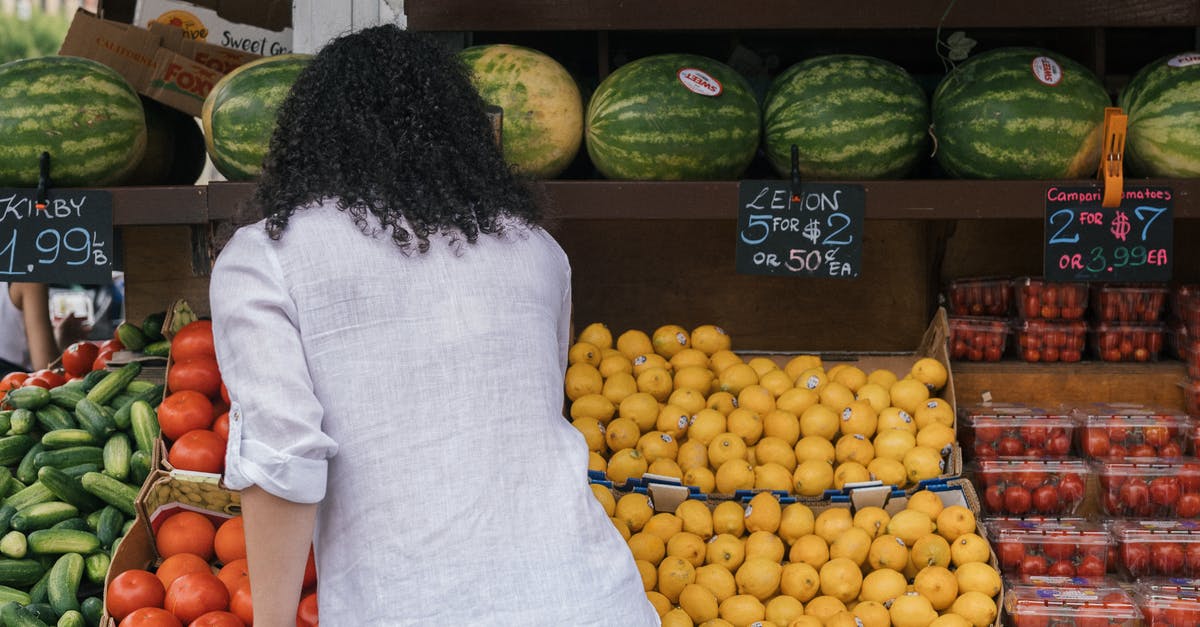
x=393, y=337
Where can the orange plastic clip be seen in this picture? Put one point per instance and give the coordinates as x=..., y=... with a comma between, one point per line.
x=1112, y=155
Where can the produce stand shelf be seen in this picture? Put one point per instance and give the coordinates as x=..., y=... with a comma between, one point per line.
x=472, y=15
x=915, y=199
x=1156, y=383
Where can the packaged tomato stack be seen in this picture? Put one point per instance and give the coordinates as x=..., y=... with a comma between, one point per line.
x=194, y=414
x=978, y=316
x=1055, y=548
x=1050, y=323
x=1168, y=602
x=1128, y=321
x=1104, y=605
x=1186, y=338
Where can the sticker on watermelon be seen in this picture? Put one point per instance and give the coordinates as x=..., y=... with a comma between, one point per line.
x=1047, y=71
x=699, y=82
x=1185, y=60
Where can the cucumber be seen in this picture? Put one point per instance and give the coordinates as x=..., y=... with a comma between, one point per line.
x=116, y=493
x=20, y=573
x=35, y=492
x=161, y=348
x=70, y=456
x=71, y=618
x=14, y=447
x=67, y=396
x=53, y=417
x=6, y=513
x=59, y=541
x=114, y=383
x=144, y=424
x=78, y=469
x=117, y=452
x=43, y=515
x=92, y=609
x=37, y=592
x=152, y=326
x=14, y=485
x=13, y=545
x=13, y=614
x=28, y=397
x=65, y=438
x=153, y=396
x=68, y=489
x=124, y=398
x=131, y=336
x=91, y=416
x=110, y=525
x=6, y=420
x=95, y=566
x=26, y=471
x=90, y=380
x=12, y=594
x=139, y=467
x=78, y=523
x=42, y=611
x=20, y=422
x=137, y=386
x=65, y=576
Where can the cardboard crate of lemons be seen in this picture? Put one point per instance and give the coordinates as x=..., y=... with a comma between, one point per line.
x=682, y=404
x=921, y=559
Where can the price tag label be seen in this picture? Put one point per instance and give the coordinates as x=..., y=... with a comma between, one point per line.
x=69, y=240
x=815, y=233
x=1088, y=242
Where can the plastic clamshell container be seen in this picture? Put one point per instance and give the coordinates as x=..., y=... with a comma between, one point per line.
x=1115, y=341
x=1051, y=548
x=1180, y=295
x=1016, y=431
x=1113, y=430
x=1150, y=488
x=1129, y=302
x=1186, y=307
x=1167, y=548
x=979, y=296
x=1168, y=602
x=978, y=339
x=1051, y=340
x=1191, y=397
x=1178, y=339
x=1038, y=606
x=1023, y=487
x=1037, y=298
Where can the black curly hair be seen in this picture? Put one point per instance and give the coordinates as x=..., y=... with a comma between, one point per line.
x=387, y=122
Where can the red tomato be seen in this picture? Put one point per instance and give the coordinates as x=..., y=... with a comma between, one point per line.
x=1011, y=554
x=1033, y=565
x=306, y=612
x=196, y=594
x=184, y=411
x=194, y=341
x=131, y=590
x=200, y=374
x=1045, y=499
x=112, y=345
x=218, y=618
x=13, y=380
x=233, y=573
x=224, y=393
x=1164, y=491
x=151, y=617
x=1017, y=501
x=1071, y=488
x=53, y=378
x=241, y=604
x=38, y=381
x=199, y=450
x=102, y=360
x=79, y=357
x=310, y=571
x=220, y=426
x=1167, y=559
x=1091, y=566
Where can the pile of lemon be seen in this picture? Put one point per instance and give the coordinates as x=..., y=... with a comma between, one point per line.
x=769, y=564
x=684, y=405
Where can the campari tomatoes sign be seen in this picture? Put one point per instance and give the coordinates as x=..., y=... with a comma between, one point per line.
x=67, y=239
x=1088, y=242
x=815, y=232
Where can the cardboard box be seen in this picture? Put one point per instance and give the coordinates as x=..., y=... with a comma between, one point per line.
x=260, y=28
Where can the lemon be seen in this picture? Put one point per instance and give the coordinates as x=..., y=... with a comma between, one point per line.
x=882, y=586
x=853, y=544
x=936, y=436
x=718, y=579
x=910, y=525
x=824, y=607
x=776, y=382
x=622, y=527
x=745, y=424
x=725, y=447
x=695, y=517
x=811, y=550
x=710, y=339
x=888, y=471
x=836, y=396
x=893, y=444
x=806, y=621
x=699, y=602
x=695, y=378
x=622, y=433
x=593, y=433
x=758, y=577
x=771, y=449
x=812, y=477
x=896, y=418
x=722, y=359
x=888, y=551
x=691, y=454
x=930, y=550
x=757, y=399
x=801, y=363
x=845, y=618
x=930, y=372
x=795, y=520
x=688, y=400
x=815, y=447
x=656, y=445
x=955, y=521
x=594, y=406
x=725, y=550
x=661, y=604
x=665, y=467
x=764, y=544
x=796, y=400
x=841, y=579
x=734, y=475
x=800, y=581
x=701, y=477
x=938, y=585
x=912, y=610
x=648, y=573
x=677, y=617
x=742, y=609
x=783, y=609
x=763, y=513
x=882, y=377
x=689, y=357
x=654, y=381
x=934, y=410
x=874, y=394
x=850, y=472
x=597, y=462
x=908, y=394
x=872, y=614
x=647, y=547
x=968, y=548
x=673, y=574
x=850, y=376
x=978, y=609
x=663, y=525
x=772, y=476
x=626, y=464
x=723, y=402
x=619, y=386
x=922, y=462
x=689, y=546
x=762, y=365
x=641, y=408
x=830, y=523
x=614, y=363
x=782, y=425
x=926, y=501
x=635, y=509
x=859, y=418
x=872, y=519
x=583, y=352
x=669, y=339
x=821, y=421
x=729, y=517
x=950, y=620
x=646, y=361
x=736, y=377
x=854, y=448
x=813, y=379
x=978, y=577
x=582, y=379
x=673, y=420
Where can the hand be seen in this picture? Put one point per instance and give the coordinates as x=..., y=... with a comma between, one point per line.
x=69, y=330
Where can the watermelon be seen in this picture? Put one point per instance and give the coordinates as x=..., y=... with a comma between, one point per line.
x=673, y=117
x=239, y=113
x=850, y=117
x=80, y=111
x=174, y=148
x=543, y=111
x=1019, y=113
x=1162, y=101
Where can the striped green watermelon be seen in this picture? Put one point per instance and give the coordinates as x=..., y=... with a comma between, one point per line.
x=672, y=117
x=1019, y=113
x=239, y=113
x=1163, y=103
x=850, y=116
x=543, y=111
x=80, y=111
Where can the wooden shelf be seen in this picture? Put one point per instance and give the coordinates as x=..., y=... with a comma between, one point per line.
x=603, y=15
x=1007, y=381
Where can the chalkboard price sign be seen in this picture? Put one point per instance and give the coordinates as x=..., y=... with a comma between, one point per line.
x=817, y=232
x=1088, y=242
x=68, y=240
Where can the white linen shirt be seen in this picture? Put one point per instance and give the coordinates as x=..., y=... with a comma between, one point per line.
x=418, y=399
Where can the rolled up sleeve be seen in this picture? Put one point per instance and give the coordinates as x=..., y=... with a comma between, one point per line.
x=275, y=436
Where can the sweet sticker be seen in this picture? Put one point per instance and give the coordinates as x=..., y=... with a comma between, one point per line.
x=1185, y=60
x=1047, y=71
x=699, y=82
